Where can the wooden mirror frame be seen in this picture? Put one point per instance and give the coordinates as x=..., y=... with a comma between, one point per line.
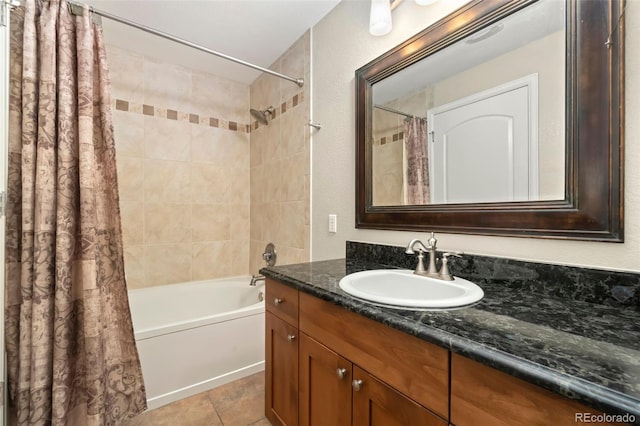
x=593, y=204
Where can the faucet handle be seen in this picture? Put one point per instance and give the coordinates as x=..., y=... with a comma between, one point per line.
x=452, y=253
x=444, y=269
x=432, y=241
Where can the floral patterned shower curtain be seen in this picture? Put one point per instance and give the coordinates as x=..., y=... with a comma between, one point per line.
x=71, y=353
x=416, y=161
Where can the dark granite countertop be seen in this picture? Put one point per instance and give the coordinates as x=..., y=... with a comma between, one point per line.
x=588, y=352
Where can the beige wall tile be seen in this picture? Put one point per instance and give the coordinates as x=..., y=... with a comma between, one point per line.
x=271, y=147
x=238, y=256
x=134, y=266
x=211, y=222
x=255, y=147
x=132, y=215
x=167, y=223
x=271, y=225
x=272, y=187
x=292, y=63
x=126, y=74
x=280, y=164
x=239, y=221
x=218, y=97
x=293, y=132
x=167, y=264
x=221, y=147
x=210, y=184
x=240, y=186
x=220, y=259
x=265, y=91
x=256, y=248
x=292, y=224
x=238, y=145
x=166, y=85
x=257, y=183
x=210, y=260
x=256, y=218
x=185, y=186
x=294, y=171
x=167, y=139
x=211, y=95
x=167, y=182
x=290, y=255
x=129, y=133
x=238, y=109
x=130, y=178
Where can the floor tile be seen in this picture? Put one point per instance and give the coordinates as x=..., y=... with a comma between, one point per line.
x=240, y=403
x=193, y=411
x=261, y=422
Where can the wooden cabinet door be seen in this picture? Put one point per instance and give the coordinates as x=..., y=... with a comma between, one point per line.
x=281, y=371
x=325, y=385
x=375, y=403
x=483, y=396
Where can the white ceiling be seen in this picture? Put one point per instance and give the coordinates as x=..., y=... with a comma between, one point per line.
x=256, y=31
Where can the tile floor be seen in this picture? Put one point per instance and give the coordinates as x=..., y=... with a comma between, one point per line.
x=239, y=403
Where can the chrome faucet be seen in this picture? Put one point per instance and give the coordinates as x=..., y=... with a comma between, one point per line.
x=255, y=279
x=432, y=269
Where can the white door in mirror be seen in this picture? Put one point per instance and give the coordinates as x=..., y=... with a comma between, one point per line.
x=401, y=288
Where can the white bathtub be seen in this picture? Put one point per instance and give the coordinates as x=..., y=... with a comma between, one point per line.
x=195, y=336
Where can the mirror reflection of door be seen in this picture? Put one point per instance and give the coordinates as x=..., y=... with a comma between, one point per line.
x=484, y=147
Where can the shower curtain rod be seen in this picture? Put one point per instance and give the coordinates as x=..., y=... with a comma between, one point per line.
x=395, y=111
x=77, y=9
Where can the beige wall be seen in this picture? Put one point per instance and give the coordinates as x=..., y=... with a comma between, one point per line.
x=182, y=140
x=334, y=63
x=280, y=161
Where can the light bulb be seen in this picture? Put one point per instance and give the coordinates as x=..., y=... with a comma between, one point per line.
x=380, y=18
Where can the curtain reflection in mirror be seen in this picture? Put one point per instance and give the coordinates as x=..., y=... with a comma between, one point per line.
x=416, y=183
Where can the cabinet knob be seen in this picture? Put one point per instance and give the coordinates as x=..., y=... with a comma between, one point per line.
x=277, y=301
x=341, y=372
x=357, y=384
x=291, y=337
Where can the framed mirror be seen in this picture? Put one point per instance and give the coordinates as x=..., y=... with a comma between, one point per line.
x=503, y=118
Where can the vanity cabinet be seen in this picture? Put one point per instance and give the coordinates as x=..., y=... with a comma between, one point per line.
x=281, y=354
x=325, y=385
x=334, y=391
x=326, y=365
x=482, y=395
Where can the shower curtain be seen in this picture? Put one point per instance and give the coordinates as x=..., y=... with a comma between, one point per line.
x=416, y=161
x=71, y=353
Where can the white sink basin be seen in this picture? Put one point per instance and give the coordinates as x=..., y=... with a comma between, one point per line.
x=401, y=288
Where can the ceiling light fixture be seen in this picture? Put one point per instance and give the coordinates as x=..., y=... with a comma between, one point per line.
x=380, y=17
x=425, y=2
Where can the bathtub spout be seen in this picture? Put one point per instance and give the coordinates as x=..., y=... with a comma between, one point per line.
x=255, y=279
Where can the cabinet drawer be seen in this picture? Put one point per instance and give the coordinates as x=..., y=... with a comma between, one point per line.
x=282, y=301
x=481, y=395
x=412, y=366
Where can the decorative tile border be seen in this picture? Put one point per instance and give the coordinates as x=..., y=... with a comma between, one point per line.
x=189, y=117
x=396, y=137
x=282, y=108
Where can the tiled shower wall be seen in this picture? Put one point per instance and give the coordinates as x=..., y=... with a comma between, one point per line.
x=182, y=140
x=280, y=161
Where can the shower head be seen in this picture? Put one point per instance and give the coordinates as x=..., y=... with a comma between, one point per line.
x=261, y=116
